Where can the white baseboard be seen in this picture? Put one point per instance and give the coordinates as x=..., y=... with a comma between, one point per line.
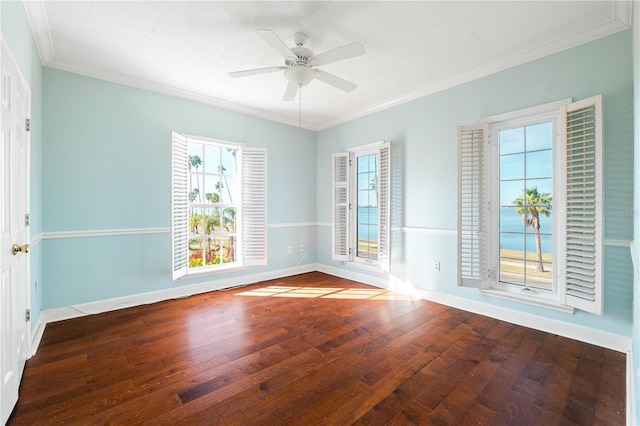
x=36, y=334
x=67, y=312
x=601, y=338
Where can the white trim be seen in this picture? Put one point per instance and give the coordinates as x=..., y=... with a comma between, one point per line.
x=36, y=334
x=292, y=225
x=631, y=386
x=634, y=260
x=163, y=89
x=36, y=240
x=620, y=20
x=39, y=23
x=618, y=23
x=615, y=242
x=103, y=233
x=533, y=300
x=107, y=305
x=529, y=113
x=142, y=231
x=593, y=336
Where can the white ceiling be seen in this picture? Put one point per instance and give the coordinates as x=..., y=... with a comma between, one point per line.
x=413, y=48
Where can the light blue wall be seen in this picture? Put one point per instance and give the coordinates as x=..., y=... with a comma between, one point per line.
x=106, y=166
x=424, y=155
x=17, y=34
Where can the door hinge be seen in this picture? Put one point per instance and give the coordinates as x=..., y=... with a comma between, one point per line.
x=26, y=219
x=28, y=315
x=27, y=124
x=349, y=250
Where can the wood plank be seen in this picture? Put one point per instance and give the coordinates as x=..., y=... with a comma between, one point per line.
x=329, y=351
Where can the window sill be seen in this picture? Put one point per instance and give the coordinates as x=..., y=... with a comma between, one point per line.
x=529, y=300
x=216, y=271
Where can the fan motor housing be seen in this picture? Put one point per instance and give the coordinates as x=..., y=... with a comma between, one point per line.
x=299, y=74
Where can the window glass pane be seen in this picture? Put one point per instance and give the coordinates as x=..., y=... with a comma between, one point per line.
x=526, y=226
x=510, y=220
x=511, y=141
x=195, y=253
x=229, y=164
x=229, y=219
x=363, y=164
x=363, y=180
x=539, y=164
x=539, y=136
x=510, y=191
x=512, y=166
x=228, y=189
x=367, y=202
x=544, y=186
x=211, y=158
x=213, y=179
x=209, y=188
x=196, y=222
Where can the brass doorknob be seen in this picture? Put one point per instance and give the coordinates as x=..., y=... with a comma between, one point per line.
x=15, y=249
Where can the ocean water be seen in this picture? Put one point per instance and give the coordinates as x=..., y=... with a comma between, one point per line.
x=511, y=221
x=368, y=222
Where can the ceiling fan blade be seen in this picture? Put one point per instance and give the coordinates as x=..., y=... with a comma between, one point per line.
x=334, y=81
x=290, y=91
x=256, y=71
x=274, y=41
x=339, y=53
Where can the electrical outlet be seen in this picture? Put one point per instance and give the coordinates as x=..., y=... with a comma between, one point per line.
x=301, y=247
x=436, y=266
x=288, y=249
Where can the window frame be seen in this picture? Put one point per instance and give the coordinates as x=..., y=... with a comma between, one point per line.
x=550, y=112
x=251, y=216
x=344, y=216
x=578, y=238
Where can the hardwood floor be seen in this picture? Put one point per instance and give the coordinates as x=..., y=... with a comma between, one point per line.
x=314, y=349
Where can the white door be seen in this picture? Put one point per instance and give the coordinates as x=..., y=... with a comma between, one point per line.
x=15, y=100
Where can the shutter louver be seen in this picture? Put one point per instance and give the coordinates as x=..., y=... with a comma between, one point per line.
x=179, y=206
x=340, y=216
x=472, y=214
x=584, y=242
x=384, y=202
x=254, y=205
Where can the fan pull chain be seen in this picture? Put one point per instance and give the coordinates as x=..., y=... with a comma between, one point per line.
x=300, y=107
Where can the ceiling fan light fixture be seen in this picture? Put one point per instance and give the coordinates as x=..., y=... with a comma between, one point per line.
x=301, y=75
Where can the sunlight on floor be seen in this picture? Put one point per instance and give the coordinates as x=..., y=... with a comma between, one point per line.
x=326, y=293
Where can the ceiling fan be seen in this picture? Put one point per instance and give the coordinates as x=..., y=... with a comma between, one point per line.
x=300, y=63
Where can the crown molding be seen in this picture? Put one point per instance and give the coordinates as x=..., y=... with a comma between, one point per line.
x=37, y=16
x=621, y=20
x=163, y=89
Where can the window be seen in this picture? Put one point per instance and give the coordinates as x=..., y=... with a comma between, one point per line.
x=218, y=205
x=361, y=180
x=530, y=205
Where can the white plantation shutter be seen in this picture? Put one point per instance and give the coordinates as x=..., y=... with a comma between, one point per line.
x=384, y=204
x=472, y=206
x=254, y=205
x=340, y=216
x=179, y=206
x=584, y=242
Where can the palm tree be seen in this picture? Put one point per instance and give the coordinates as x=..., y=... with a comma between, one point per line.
x=531, y=205
x=195, y=161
